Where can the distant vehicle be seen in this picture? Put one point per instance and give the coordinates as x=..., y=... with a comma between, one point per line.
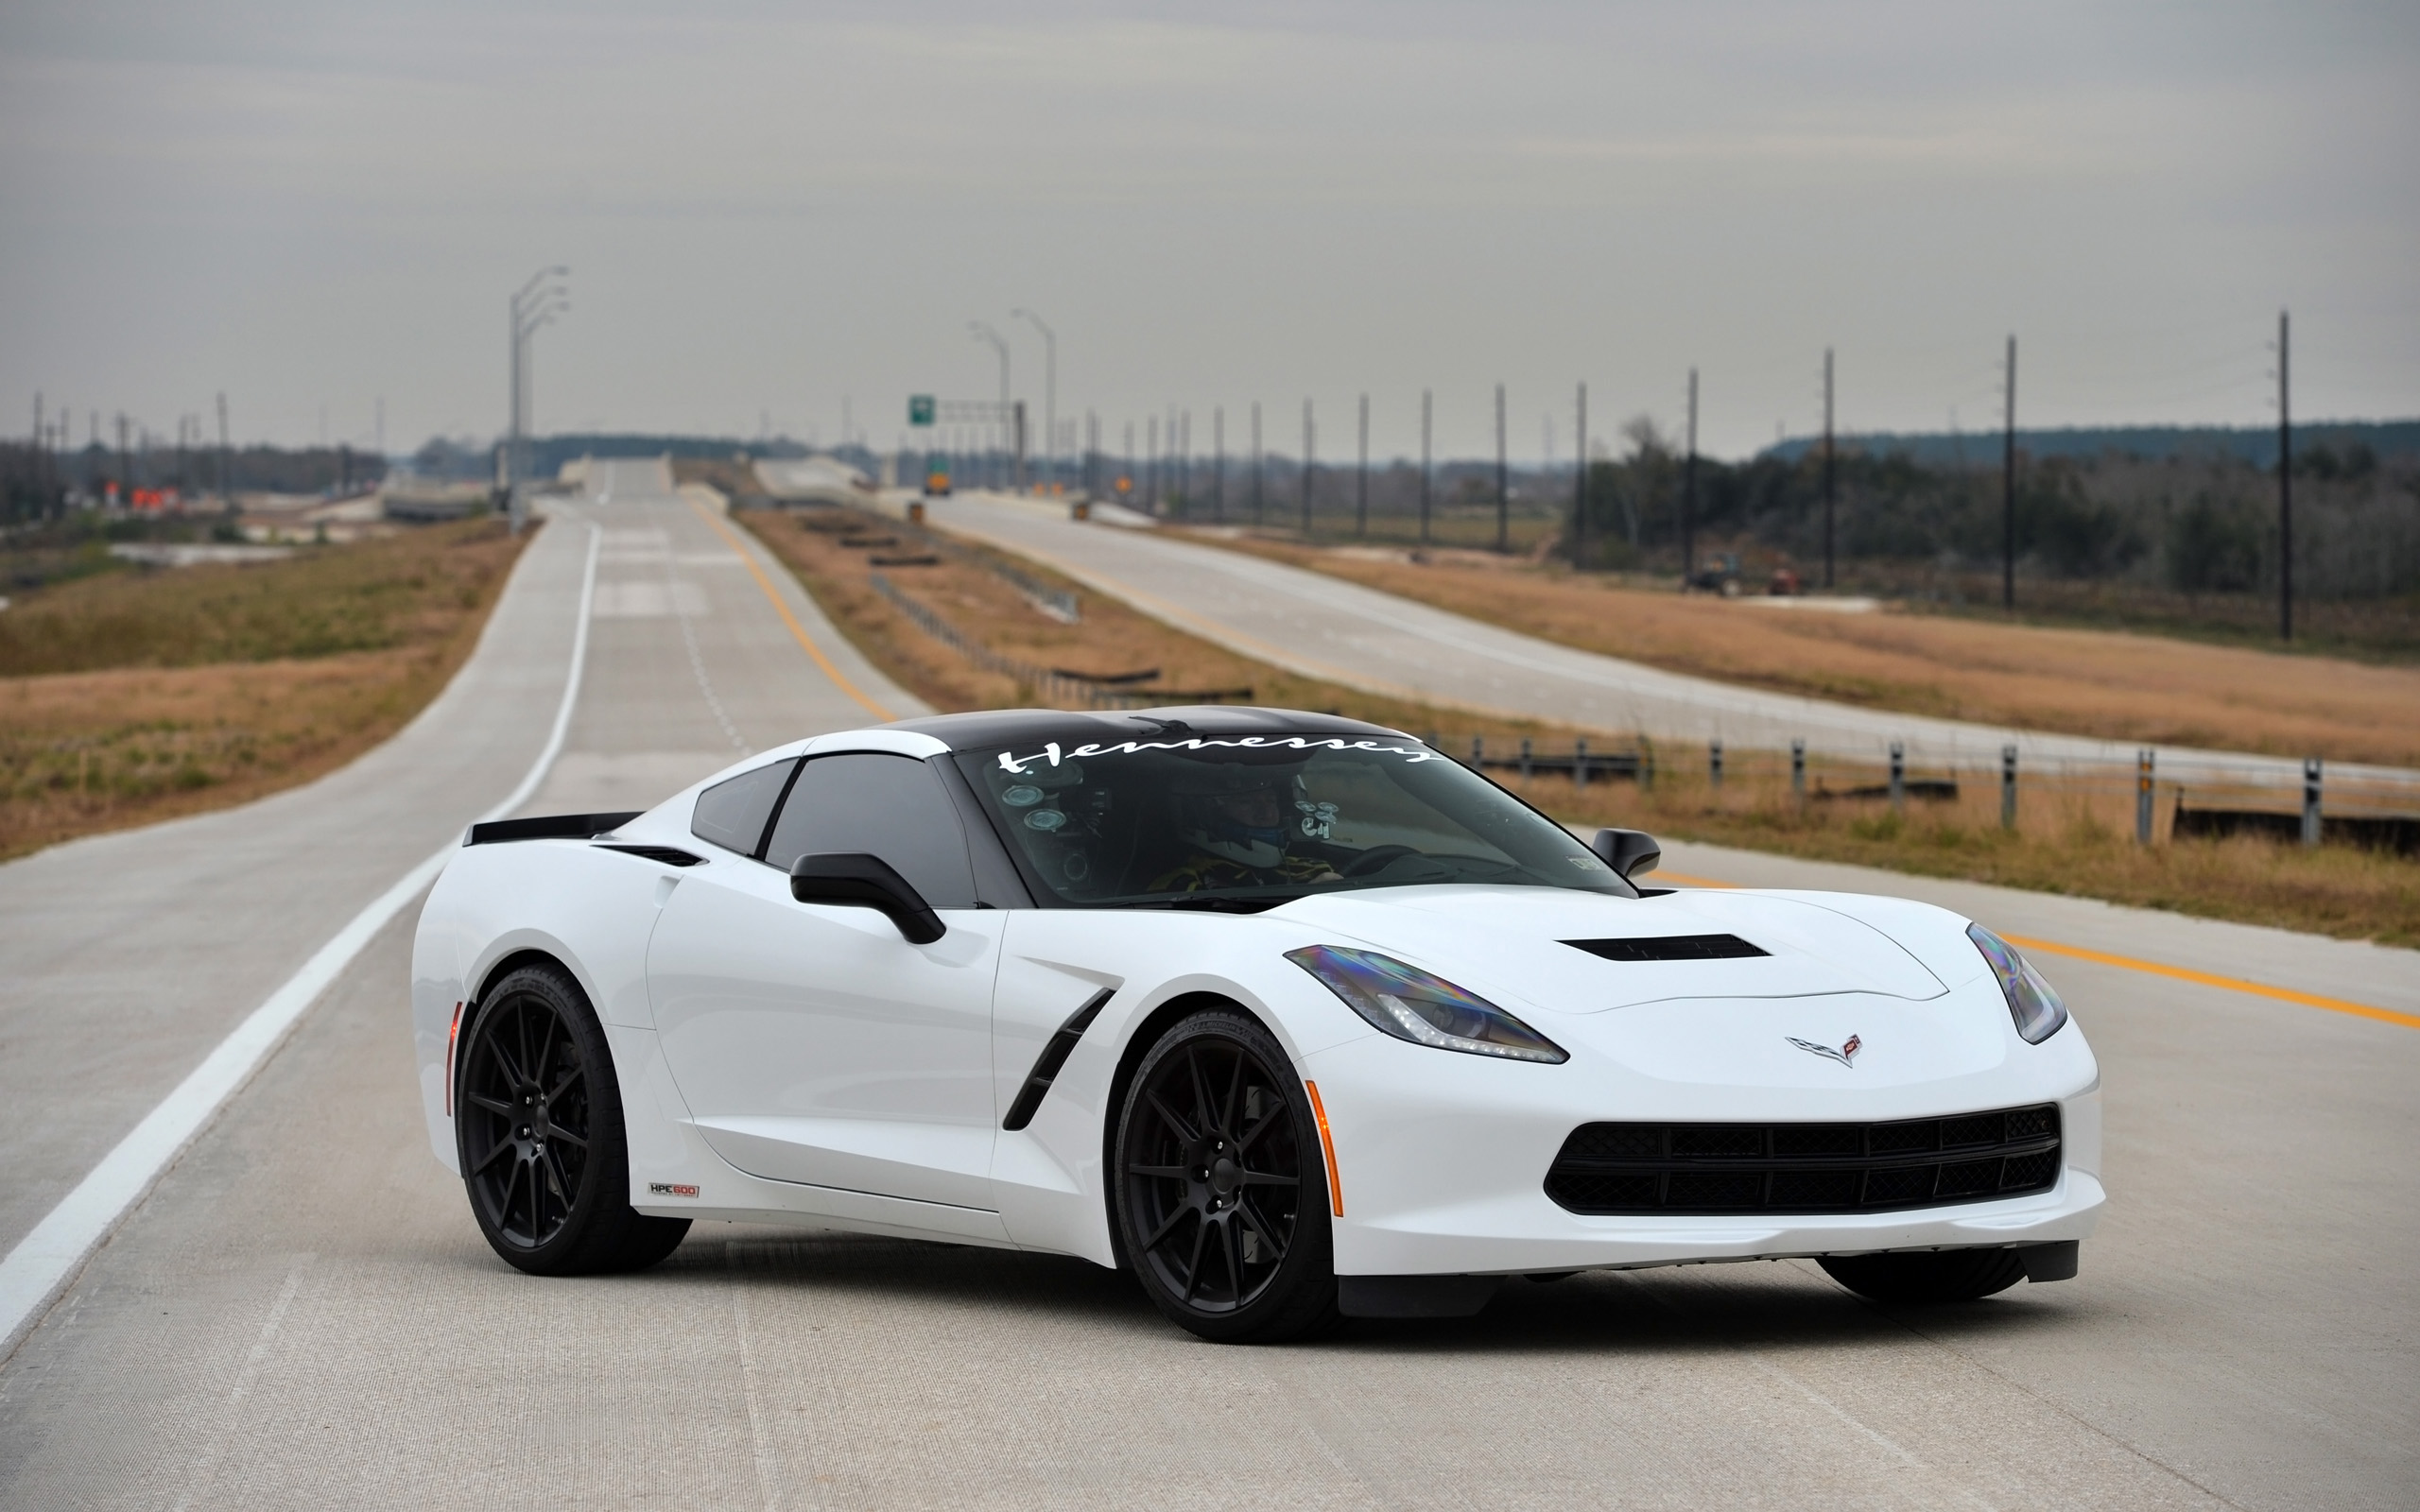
x=1785, y=583
x=1719, y=576
x=1291, y=1016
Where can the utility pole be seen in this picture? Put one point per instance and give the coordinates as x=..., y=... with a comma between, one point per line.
x=1259, y=468
x=1580, y=490
x=1151, y=464
x=1309, y=442
x=2285, y=492
x=1091, y=453
x=2008, y=485
x=1361, y=482
x=1503, y=493
x=1828, y=470
x=1689, y=491
x=125, y=464
x=1424, y=467
x=226, y=500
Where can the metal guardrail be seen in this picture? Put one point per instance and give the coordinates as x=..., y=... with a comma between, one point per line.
x=2379, y=815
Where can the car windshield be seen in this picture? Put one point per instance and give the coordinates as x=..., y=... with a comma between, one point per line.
x=1246, y=822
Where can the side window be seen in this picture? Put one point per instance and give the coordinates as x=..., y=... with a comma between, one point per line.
x=733, y=813
x=890, y=806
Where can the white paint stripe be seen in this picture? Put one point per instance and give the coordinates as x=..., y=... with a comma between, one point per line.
x=47, y=1259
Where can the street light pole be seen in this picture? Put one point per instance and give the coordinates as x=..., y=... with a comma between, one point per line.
x=536, y=303
x=1050, y=389
x=1000, y=344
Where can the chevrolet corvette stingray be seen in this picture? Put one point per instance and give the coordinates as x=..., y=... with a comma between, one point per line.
x=1292, y=1016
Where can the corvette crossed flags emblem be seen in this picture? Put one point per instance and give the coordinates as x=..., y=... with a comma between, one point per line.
x=1846, y=1055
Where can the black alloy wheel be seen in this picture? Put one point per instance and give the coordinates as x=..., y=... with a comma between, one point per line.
x=1223, y=1197
x=1926, y=1276
x=538, y=1123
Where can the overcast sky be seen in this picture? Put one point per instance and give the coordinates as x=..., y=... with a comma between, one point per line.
x=770, y=207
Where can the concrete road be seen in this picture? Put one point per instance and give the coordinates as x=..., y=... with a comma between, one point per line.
x=1324, y=628
x=303, y=1313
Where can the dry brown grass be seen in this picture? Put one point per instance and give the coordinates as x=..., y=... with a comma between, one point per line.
x=2072, y=841
x=89, y=750
x=2076, y=681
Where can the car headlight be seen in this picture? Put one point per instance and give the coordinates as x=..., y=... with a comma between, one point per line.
x=1408, y=1003
x=2031, y=1002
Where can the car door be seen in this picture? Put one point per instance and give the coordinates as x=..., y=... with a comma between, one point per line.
x=811, y=1041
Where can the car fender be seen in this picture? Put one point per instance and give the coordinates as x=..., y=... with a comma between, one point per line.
x=1050, y=1176
x=588, y=908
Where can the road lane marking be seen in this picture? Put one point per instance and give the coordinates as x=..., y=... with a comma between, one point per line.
x=2180, y=973
x=2230, y=984
x=773, y=595
x=50, y=1256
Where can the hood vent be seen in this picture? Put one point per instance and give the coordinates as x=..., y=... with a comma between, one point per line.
x=1670, y=948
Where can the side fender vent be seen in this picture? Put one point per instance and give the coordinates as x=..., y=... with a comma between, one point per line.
x=1054, y=1054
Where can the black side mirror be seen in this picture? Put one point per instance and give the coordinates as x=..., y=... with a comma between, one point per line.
x=1631, y=853
x=866, y=882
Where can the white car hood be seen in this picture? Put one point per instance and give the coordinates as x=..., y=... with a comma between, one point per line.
x=1507, y=943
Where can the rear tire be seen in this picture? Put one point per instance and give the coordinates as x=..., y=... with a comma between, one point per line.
x=1930, y=1275
x=539, y=1132
x=1220, y=1192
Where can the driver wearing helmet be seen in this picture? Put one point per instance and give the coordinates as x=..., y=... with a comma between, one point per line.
x=1238, y=821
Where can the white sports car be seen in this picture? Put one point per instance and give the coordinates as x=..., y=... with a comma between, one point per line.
x=1292, y=1015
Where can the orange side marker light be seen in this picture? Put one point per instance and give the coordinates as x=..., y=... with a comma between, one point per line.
x=450, y=1030
x=1328, y=1146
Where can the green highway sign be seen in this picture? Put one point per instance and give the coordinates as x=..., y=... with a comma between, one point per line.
x=919, y=409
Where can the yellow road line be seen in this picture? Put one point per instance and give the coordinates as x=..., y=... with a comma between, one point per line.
x=2129, y=963
x=2230, y=983
x=772, y=594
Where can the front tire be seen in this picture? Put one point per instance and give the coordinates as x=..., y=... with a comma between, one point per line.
x=538, y=1127
x=1222, y=1198
x=1930, y=1275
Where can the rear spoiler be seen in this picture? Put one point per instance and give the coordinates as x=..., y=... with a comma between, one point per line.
x=550, y=826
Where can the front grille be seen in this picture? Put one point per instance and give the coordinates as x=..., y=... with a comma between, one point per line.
x=1919, y=1162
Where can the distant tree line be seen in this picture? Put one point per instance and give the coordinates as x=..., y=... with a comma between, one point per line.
x=2197, y=524
x=2206, y=524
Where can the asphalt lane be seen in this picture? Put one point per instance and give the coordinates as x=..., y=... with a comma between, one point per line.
x=124, y=957
x=1324, y=628
x=303, y=1313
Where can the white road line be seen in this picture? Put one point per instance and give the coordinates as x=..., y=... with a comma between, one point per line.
x=47, y=1260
